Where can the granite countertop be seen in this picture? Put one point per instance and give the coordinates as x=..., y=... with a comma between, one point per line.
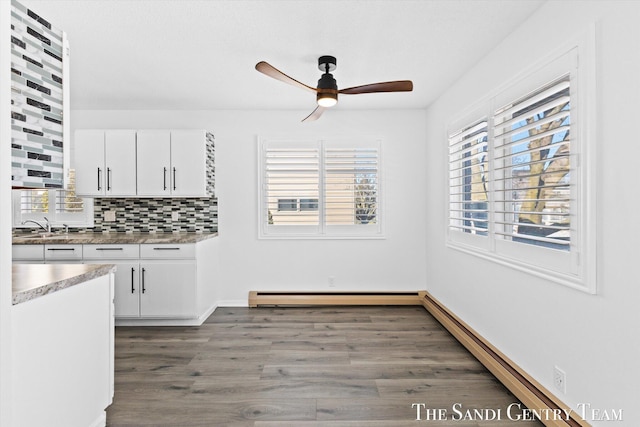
x=110, y=238
x=31, y=281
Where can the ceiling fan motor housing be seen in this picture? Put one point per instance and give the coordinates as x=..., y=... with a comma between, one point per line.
x=327, y=61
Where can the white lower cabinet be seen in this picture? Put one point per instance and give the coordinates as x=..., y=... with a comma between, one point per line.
x=151, y=281
x=167, y=289
x=155, y=284
x=127, y=289
x=28, y=254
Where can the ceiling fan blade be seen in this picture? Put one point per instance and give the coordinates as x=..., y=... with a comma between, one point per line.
x=271, y=71
x=395, y=86
x=315, y=115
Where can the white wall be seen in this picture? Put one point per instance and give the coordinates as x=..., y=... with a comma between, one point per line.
x=537, y=323
x=395, y=263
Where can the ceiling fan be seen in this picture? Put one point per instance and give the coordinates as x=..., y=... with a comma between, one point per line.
x=327, y=90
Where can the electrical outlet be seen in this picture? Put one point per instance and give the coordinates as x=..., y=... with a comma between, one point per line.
x=175, y=216
x=559, y=379
x=332, y=281
x=110, y=216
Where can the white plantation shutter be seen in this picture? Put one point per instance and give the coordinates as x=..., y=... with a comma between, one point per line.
x=469, y=180
x=58, y=206
x=319, y=188
x=351, y=186
x=33, y=201
x=533, y=167
x=290, y=174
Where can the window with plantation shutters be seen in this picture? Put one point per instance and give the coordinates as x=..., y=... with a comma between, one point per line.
x=532, y=152
x=320, y=188
x=58, y=206
x=521, y=184
x=469, y=180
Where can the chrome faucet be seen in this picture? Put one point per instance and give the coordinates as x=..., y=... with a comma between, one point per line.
x=46, y=227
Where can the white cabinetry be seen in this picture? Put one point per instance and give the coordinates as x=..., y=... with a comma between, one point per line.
x=168, y=289
x=152, y=281
x=168, y=280
x=67, y=254
x=28, y=254
x=155, y=284
x=172, y=163
x=127, y=276
x=63, y=356
x=189, y=163
x=105, y=162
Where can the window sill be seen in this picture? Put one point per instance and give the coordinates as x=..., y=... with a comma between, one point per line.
x=586, y=285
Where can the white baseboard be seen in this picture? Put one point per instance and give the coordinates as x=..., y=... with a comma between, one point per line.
x=101, y=421
x=196, y=321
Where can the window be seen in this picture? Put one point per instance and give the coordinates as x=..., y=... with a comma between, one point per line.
x=324, y=188
x=287, y=205
x=518, y=193
x=468, y=179
x=58, y=206
x=308, y=204
x=533, y=167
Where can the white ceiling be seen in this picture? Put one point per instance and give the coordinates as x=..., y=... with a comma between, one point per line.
x=200, y=54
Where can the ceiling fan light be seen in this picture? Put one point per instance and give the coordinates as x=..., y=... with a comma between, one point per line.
x=327, y=99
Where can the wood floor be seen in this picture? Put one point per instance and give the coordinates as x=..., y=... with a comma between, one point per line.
x=303, y=367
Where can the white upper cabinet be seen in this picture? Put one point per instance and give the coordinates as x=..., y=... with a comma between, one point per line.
x=188, y=163
x=105, y=162
x=154, y=163
x=88, y=161
x=144, y=163
x=172, y=163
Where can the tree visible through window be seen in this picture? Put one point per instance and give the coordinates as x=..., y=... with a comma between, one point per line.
x=533, y=149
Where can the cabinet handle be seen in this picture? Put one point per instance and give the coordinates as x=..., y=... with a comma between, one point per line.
x=108, y=179
x=164, y=179
x=133, y=270
x=99, y=176
x=166, y=249
x=143, y=288
x=60, y=249
x=109, y=249
x=174, y=178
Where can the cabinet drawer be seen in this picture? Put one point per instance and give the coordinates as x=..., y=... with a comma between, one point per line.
x=63, y=252
x=111, y=251
x=168, y=251
x=28, y=252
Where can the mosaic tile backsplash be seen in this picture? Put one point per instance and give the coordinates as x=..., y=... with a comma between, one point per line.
x=36, y=100
x=155, y=215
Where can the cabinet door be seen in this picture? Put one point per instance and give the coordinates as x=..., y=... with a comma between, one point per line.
x=28, y=254
x=188, y=163
x=120, y=163
x=88, y=161
x=127, y=289
x=168, y=289
x=154, y=163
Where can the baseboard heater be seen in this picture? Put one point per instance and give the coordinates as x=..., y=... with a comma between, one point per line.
x=531, y=393
x=263, y=298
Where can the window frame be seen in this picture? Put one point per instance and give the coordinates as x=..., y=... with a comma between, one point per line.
x=323, y=230
x=84, y=218
x=575, y=268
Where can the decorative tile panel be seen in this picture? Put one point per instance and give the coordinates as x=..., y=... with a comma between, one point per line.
x=155, y=215
x=211, y=165
x=36, y=100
